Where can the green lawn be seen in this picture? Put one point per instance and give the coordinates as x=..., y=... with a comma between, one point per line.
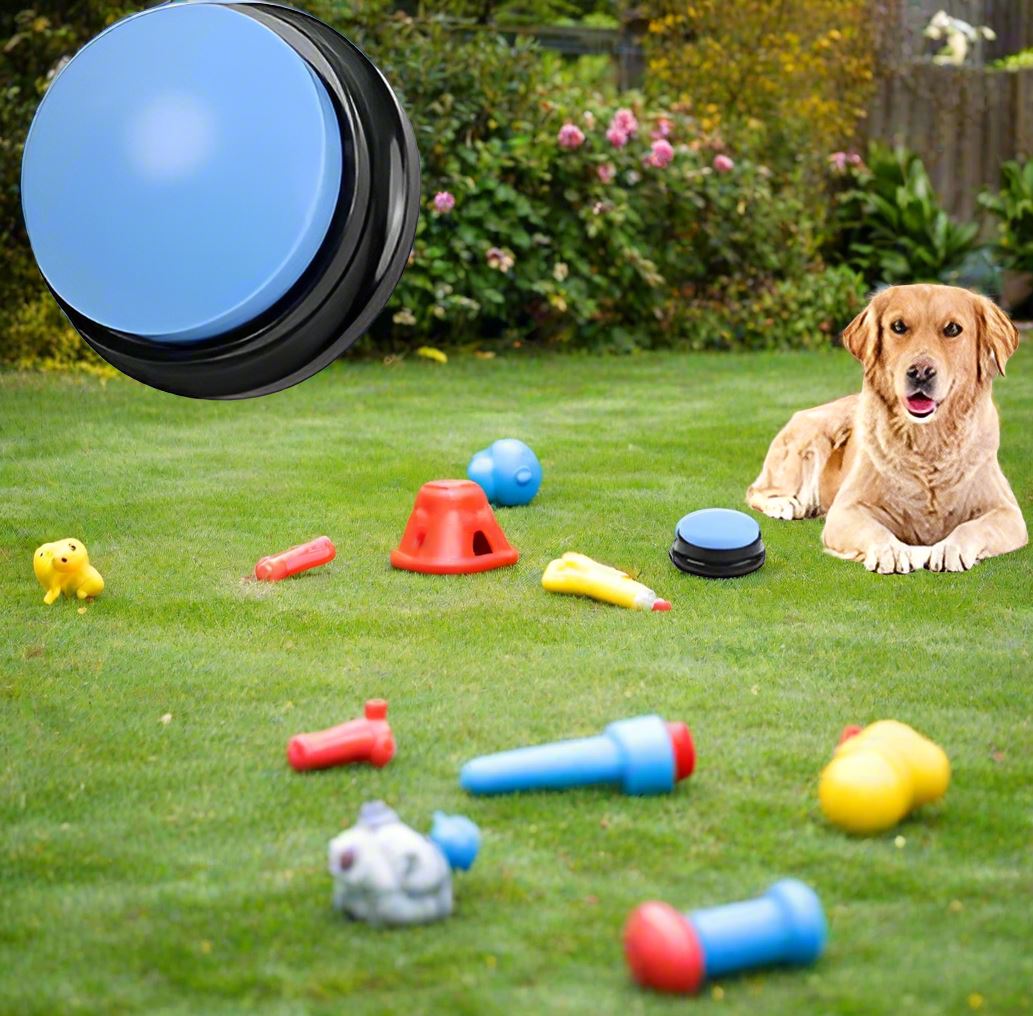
x=178, y=866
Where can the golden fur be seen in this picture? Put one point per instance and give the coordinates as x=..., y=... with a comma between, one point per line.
x=904, y=487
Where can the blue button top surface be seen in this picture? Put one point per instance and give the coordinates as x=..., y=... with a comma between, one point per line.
x=181, y=173
x=718, y=529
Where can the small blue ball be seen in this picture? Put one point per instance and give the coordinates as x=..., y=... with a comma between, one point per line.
x=458, y=838
x=508, y=472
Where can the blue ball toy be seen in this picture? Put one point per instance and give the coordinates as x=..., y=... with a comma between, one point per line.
x=508, y=472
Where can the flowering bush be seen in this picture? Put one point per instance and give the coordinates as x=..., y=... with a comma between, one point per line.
x=604, y=228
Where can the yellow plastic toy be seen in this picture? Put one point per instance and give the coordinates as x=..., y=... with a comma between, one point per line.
x=64, y=567
x=580, y=575
x=880, y=774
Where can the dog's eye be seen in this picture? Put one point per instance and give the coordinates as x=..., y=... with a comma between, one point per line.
x=898, y=326
x=952, y=329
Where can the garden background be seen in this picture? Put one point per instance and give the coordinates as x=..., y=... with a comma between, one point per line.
x=729, y=201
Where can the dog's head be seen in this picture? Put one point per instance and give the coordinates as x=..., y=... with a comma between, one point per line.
x=929, y=349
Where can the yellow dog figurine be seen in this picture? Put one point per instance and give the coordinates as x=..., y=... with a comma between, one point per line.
x=64, y=567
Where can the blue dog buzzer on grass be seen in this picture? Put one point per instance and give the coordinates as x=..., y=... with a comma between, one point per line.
x=718, y=529
x=181, y=174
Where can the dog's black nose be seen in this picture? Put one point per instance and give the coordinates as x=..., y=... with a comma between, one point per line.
x=921, y=373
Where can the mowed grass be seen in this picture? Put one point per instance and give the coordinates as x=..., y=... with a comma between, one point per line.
x=179, y=866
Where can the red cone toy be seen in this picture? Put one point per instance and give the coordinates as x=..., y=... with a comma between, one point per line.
x=452, y=531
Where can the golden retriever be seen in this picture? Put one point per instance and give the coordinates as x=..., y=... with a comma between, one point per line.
x=906, y=471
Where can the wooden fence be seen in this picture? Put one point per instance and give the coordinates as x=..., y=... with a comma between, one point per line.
x=963, y=121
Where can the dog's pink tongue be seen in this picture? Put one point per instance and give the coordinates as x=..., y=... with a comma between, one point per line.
x=920, y=404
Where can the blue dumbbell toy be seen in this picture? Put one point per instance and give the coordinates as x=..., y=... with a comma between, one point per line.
x=670, y=951
x=508, y=472
x=221, y=196
x=643, y=755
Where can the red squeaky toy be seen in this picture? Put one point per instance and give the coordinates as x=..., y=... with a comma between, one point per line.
x=297, y=559
x=368, y=739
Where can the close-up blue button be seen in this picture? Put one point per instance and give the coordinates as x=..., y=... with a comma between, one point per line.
x=179, y=207
x=717, y=543
x=220, y=197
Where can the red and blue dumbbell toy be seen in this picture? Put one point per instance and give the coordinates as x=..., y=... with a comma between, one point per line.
x=643, y=755
x=674, y=952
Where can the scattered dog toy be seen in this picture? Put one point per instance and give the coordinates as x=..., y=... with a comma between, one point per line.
x=674, y=952
x=387, y=874
x=64, y=567
x=880, y=774
x=297, y=559
x=580, y=575
x=452, y=531
x=368, y=739
x=717, y=543
x=644, y=755
x=508, y=472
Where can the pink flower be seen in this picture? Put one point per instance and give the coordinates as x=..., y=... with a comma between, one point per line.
x=661, y=155
x=444, y=202
x=722, y=164
x=570, y=136
x=616, y=137
x=662, y=129
x=624, y=120
x=840, y=160
x=606, y=172
x=499, y=259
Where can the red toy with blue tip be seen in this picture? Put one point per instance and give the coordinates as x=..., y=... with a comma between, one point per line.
x=674, y=952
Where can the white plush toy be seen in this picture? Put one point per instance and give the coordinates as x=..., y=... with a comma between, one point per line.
x=388, y=874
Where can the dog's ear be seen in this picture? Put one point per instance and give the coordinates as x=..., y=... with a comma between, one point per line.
x=998, y=338
x=861, y=337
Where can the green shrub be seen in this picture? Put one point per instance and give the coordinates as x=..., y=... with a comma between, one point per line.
x=800, y=313
x=888, y=223
x=1023, y=60
x=1013, y=206
x=39, y=335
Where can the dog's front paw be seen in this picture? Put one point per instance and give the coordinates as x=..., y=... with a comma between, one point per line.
x=951, y=555
x=785, y=508
x=895, y=558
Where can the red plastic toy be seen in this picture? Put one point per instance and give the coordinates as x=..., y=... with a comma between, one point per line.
x=452, y=531
x=368, y=739
x=297, y=559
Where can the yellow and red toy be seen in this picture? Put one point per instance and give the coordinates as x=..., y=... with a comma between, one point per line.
x=64, y=567
x=581, y=576
x=879, y=775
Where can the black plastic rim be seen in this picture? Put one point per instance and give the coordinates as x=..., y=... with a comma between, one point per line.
x=717, y=564
x=355, y=270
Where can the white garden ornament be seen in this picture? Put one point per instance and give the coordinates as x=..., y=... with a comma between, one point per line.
x=958, y=37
